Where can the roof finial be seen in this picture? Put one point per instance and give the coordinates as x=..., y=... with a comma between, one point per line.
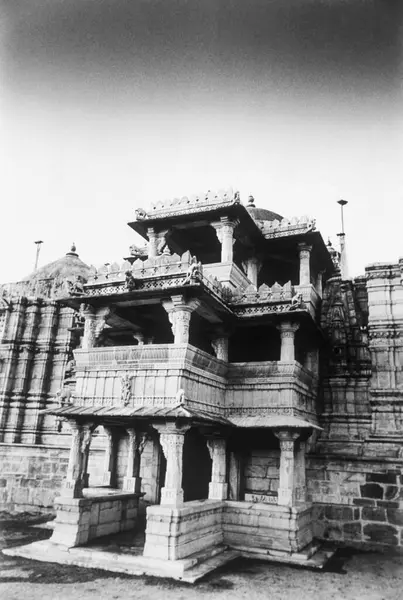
x=72, y=250
x=251, y=201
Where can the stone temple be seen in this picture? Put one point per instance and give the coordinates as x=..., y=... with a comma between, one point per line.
x=227, y=390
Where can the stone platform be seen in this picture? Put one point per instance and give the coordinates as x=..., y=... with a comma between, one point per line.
x=123, y=554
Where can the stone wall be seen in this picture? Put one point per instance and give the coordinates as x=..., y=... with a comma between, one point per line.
x=261, y=525
x=261, y=472
x=357, y=501
x=80, y=520
x=31, y=476
x=175, y=533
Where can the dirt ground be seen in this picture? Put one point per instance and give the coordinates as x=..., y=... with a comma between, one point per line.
x=352, y=575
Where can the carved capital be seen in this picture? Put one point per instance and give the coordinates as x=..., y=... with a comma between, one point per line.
x=287, y=329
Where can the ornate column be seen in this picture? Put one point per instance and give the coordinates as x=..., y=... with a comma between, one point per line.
x=220, y=347
x=235, y=476
x=287, y=333
x=225, y=233
x=137, y=441
x=300, y=489
x=319, y=283
x=312, y=361
x=139, y=337
x=172, y=439
x=253, y=266
x=304, y=264
x=218, y=487
x=77, y=477
x=152, y=242
x=179, y=313
x=287, y=484
x=88, y=340
x=109, y=475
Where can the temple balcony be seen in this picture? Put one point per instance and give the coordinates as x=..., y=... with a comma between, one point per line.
x=254, y=302
x=224, y=280
x=160, y=380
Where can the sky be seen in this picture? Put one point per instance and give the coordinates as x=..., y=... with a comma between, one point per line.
x=111, y=105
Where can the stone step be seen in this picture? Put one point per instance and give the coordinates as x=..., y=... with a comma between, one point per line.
x=202, y=555
x=314, y=556
x=211, y=564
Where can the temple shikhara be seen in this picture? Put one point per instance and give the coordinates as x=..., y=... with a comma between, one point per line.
x=225, y=390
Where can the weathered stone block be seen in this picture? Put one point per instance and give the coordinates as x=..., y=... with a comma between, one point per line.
x=387, y=504
x=371, y=490
x=352, y=531
x=334, y=532
x=389, y=477
x=363, y=502
x=373, y=514
x=392, y=492
x=341, y=513
x=381, y=534
x=395, y=516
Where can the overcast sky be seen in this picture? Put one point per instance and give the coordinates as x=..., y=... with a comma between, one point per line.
x=108, y=105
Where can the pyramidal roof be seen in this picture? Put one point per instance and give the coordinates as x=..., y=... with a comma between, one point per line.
x=66, y=267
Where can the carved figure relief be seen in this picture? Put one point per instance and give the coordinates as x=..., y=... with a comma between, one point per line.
x=126, y=389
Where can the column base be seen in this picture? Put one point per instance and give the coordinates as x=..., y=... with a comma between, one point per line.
x=73, y=488
x=132, y=484
x=107, y=478
x=300, y=494
x=285, y=497
x=217, y=491
x=171, y=496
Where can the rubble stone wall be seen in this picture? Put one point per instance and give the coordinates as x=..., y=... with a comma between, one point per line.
x=357, y=501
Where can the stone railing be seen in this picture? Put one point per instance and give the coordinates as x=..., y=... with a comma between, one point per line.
x=275, y=299
x=286, y=227
x=49, y=288
x=267, y=389
x=269, y=370
x=141, y=269
x=195, y=203
x=264, y=294
x=160, y=375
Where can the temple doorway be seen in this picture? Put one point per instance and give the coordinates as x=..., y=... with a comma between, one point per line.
x=196, y=466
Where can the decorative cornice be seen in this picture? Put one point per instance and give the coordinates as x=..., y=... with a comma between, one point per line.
x=187, y=205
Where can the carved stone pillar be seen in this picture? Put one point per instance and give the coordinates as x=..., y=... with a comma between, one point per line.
x=88, y=340
x=218, y=487
x=253, y=266
x=77, y=477
x=225, y=233
x=109, y=475
x=172, y=439
x=179, y=313
x=319, y=283
x=300, y=489
x=152, y=242
x=287, y=484
x=312, y=361
x=139, y=337
x=220, y=347
x=287, y=334
x=235, y=476
x=304, y=264
x=137, y=441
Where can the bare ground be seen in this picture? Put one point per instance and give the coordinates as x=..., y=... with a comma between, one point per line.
x=352, y=575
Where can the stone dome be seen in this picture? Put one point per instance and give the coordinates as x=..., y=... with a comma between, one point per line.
x=261, y=214
x=67, y=267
